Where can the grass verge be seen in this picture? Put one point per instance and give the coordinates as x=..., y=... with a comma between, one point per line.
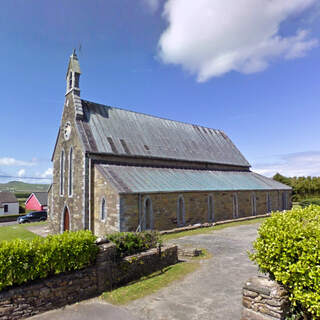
x=18, y=231
x=155, y=281
x=167, y=237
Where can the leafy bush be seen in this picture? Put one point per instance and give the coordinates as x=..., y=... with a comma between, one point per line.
x=288, y=248
x=129, y=243
x=24, y=195
x=308, y=202
x=23, y=260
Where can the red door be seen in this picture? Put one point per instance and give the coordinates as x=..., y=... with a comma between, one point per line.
x=66, y=220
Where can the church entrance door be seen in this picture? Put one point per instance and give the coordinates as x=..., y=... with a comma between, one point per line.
x=66, y=220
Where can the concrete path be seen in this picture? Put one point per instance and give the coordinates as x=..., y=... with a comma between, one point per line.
x=213, y=292
x=91, y=309
x=41, y=230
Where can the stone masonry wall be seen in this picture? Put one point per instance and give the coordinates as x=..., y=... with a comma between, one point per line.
x=164, y=207
x=103, y=190
x=74, y=202
x=264, y=299
x=57, y=291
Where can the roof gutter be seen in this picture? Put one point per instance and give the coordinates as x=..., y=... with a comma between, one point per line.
x=92, y=153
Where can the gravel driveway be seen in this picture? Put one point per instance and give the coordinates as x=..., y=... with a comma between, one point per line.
x=214, y=291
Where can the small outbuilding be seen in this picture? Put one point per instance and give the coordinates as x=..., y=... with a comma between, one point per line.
x=8, y=203
x=37, y=201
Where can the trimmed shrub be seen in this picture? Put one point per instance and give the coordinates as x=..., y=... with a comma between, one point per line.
x=288, y=248
x=23, y=260
x=128, y=243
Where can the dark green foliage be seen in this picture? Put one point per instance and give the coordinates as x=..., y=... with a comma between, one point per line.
x=302, y=187
x=22, y=209
x=22, y=195
x=22, y=260
x=288, y=248
x=308, y=202
x=129, y=243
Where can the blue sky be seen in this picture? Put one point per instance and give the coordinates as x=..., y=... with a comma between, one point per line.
x=251, y=70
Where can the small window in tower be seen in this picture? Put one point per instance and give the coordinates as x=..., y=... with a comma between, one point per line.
x=76, y=80
x=70, y=80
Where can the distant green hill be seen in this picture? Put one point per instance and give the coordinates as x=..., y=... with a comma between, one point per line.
x=18, y=186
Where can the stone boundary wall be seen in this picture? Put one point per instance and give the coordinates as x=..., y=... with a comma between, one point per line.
x=264, y=299
x=211, y=224
x=57, y=291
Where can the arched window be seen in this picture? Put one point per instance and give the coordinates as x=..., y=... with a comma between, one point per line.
x=253, y=204
x=62, y=173
x=235, y=206
x=210, y=209
x=103, y=209
x=148, y=217
x=269, y=207
x=180, y=212
x=70, y=173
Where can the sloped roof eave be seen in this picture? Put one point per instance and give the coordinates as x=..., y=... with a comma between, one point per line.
x=135, y=180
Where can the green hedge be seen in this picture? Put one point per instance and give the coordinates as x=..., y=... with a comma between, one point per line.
x=23, y=260
x=288, y=248
x=129, y=243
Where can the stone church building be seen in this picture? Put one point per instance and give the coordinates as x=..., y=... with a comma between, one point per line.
x=119, y=170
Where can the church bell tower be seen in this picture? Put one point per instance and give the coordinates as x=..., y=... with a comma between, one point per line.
x=73, y=75
x=73, y=84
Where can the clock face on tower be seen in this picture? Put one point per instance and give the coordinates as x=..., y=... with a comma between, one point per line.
x=67, y=130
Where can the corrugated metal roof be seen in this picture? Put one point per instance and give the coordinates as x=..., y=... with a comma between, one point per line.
x=121, y=132
x=130, y=179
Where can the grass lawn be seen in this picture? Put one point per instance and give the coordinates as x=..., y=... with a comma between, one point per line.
x=167, y=237
x=155, y=281
x=18, y=231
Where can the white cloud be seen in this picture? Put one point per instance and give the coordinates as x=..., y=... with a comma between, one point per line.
x=21, y=172
x=15, y=162
x=152, y=5
x=47, y=174
x=212, y=37
x=295, y=164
